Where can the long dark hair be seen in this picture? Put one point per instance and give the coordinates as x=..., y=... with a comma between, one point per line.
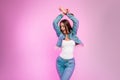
x=68, y=27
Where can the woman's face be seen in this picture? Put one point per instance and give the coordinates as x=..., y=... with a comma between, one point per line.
x=62, y=27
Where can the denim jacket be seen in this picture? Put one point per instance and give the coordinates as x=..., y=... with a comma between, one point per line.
x=72, y=35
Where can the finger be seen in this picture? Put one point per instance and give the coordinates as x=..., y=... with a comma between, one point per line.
x=67, y=10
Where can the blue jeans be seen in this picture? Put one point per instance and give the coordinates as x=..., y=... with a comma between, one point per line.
x=65, y=67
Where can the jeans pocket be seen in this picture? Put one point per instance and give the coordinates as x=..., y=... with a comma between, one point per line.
x=71, y=62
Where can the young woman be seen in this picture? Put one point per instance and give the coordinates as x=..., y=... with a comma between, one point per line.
x=67, y=40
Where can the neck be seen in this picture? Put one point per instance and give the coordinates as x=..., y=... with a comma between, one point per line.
x=67, y=37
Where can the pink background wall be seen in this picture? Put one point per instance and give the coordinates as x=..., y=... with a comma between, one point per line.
x=27, y=39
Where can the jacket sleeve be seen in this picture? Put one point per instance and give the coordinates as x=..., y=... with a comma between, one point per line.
x=55, y=24
x=75, y=23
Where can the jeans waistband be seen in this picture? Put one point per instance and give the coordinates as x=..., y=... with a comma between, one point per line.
x=65, y=59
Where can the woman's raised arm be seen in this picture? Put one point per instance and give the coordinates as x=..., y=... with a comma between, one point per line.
x=55, y=24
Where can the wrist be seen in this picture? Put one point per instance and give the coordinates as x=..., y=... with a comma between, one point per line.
x=70, y=14
x=65, y=13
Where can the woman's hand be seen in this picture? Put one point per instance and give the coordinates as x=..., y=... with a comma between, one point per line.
x=64, y=11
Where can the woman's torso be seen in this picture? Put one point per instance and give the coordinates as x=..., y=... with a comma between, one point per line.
x=67, y=49
x=71, y=37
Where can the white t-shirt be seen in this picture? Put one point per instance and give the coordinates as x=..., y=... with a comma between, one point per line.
x=67, y=49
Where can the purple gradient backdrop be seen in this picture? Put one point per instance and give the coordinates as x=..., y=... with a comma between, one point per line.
x=27, y=39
